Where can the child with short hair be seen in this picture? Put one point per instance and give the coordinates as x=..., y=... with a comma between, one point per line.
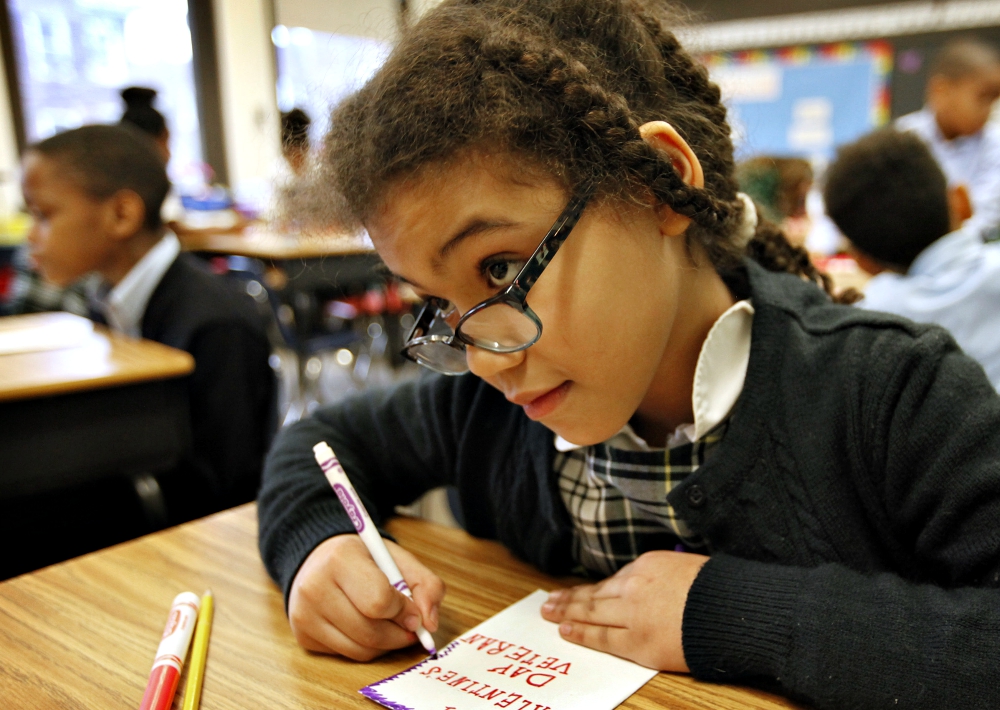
x=29, y=292
x=641, y=380
x=95, y=195
x=886, y=193
x=963, y=86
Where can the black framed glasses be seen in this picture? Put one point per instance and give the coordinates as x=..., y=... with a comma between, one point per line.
x=503, y=323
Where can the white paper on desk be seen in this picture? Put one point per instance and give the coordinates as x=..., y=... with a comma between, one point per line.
x=59, y=331
x=514, y=660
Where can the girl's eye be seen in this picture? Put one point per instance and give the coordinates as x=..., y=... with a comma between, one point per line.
x=501, y=273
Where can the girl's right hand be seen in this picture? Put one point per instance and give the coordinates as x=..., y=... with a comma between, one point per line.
x=342, y=603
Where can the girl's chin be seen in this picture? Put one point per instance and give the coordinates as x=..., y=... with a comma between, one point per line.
x=585, y=433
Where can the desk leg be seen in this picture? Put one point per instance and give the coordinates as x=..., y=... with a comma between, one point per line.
x=154, y=507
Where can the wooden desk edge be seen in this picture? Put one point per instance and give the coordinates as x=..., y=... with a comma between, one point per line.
x=174, y=363
x=237, y=244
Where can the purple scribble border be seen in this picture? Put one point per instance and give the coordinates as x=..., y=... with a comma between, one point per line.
x=372, y=694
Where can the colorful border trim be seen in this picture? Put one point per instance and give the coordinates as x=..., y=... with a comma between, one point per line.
x=369, y=690
x=880, y=51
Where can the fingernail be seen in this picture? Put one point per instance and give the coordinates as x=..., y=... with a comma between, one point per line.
x=411, y=623
x=554, y=596
x=565, y=629
x=548, y=606
x=434, y=616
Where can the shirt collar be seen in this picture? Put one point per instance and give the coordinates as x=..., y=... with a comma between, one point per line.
x=718, y=380
x=125, y=304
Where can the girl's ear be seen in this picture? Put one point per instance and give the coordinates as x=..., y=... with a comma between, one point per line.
x=662, y=138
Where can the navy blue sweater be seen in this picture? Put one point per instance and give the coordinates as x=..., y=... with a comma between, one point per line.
x=853, y=507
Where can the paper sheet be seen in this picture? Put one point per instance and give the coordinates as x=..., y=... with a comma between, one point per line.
x=60, y=330
x=514, y=660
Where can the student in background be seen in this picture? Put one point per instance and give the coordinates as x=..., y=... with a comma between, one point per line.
x=140, y=112
x=679, y=383
x=95, y=195
x=964, y=85
x=888, y=196
x=29, y=291
x=780, y=187
x=295, y=139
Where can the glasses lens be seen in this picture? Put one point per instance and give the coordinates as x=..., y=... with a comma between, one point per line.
x=439, y=357
x=500, y=328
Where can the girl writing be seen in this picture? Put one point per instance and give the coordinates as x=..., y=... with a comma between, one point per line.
x=643, y=381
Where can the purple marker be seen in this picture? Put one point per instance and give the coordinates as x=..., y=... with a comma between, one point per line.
x=355, y=510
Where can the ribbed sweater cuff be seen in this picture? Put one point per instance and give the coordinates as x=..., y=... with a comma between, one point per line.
x=313, y=524
x=738, y=619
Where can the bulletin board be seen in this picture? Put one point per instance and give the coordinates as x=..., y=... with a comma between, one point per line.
x=803, y=101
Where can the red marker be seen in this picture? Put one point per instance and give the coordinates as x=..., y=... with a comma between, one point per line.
x=171, y=652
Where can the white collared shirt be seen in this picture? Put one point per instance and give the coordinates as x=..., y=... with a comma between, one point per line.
x=973, y=161
x=954, y=282
x=125, y=304
x=718, y=380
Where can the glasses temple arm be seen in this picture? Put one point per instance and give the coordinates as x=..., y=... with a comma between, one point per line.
x=546, y=251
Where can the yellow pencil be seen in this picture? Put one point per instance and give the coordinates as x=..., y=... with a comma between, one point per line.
x=199, y=653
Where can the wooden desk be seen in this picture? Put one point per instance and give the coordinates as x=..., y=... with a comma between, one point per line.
x=106, y=406
x=83, y=633
x=103, y=360
x=273, y=246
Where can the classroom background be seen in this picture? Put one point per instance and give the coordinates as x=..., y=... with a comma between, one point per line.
x=800, y=79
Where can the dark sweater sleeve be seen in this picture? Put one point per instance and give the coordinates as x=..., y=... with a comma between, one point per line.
x=922, y=636
x=394, y=444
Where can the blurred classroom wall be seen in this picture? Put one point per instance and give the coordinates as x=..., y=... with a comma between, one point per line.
x=239, y=110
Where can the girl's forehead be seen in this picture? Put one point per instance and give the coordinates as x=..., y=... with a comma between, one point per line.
x=442, y=196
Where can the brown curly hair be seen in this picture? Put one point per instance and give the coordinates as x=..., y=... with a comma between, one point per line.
x=564, y=84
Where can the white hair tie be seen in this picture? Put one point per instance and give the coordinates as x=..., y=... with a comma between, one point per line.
x=748, y=226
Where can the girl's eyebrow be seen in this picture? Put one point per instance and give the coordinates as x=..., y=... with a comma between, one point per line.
x=473, y=228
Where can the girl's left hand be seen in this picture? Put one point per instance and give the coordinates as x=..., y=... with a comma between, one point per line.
x=635, y=614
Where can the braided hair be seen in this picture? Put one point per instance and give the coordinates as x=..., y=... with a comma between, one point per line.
x=562, y=84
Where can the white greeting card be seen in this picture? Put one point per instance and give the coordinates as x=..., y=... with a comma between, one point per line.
x=515, y=660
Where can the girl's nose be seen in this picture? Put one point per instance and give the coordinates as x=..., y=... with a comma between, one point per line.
x=485, y=363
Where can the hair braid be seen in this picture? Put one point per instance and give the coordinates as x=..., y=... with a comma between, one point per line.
x=608, y=116
x=566, y=84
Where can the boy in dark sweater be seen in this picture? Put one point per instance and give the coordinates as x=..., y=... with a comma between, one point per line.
x=95, y=195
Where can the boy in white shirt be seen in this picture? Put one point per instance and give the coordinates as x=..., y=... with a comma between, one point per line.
x=964, y=85
x=888, y=196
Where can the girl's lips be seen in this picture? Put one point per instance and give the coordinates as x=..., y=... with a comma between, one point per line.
x=544, y=405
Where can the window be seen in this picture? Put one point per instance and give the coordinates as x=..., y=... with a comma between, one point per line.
x=318, y=69
x=74, y=56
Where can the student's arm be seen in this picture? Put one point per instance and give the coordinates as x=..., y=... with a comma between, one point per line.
x=931, y=445
x=394, y=445
x=232, y=407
